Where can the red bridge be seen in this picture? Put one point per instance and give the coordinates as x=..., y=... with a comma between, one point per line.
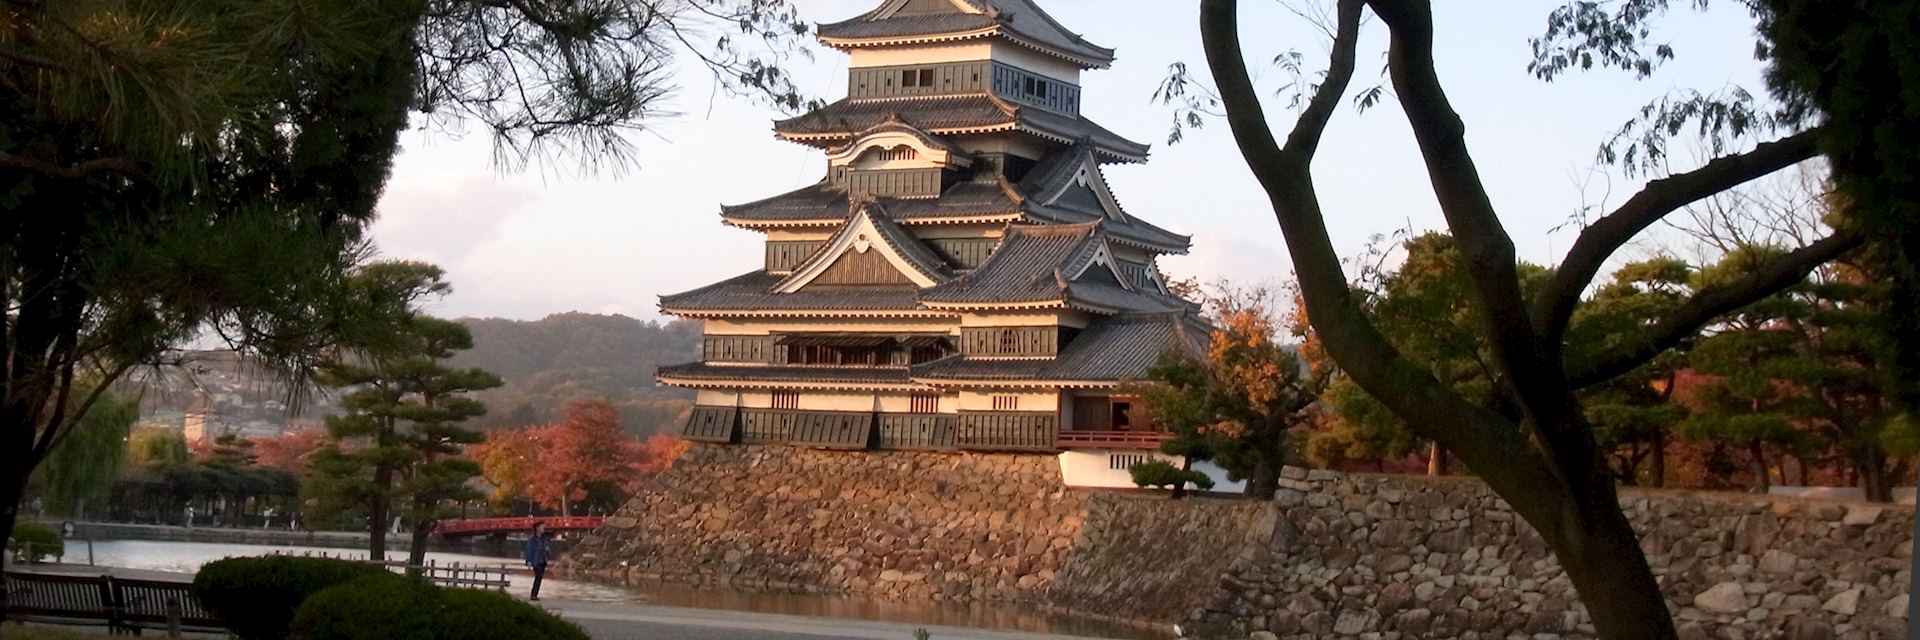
x=486, y=526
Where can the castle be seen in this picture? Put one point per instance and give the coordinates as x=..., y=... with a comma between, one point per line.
x=963, y=278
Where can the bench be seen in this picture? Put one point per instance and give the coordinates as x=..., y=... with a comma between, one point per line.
x=123, y=605
x=160, y=605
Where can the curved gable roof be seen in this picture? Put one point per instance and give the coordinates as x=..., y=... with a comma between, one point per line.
x=1020, y=21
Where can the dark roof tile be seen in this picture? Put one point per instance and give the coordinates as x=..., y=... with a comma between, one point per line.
x=1021, y=18
x=1111, y=349
x=752, y=292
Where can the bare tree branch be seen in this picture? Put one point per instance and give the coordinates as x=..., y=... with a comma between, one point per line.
x=1597, y=243
x=1487, y=440
x=1488, y=251
x=1711, y=303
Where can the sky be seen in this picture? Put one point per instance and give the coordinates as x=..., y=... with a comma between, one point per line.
x=525, y=243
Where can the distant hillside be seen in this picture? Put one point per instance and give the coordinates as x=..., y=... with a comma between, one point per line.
x=568, y=356
x=545, y=363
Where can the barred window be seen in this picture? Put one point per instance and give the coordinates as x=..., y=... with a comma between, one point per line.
x=1006, y=403
x=924, y=403
x=786, y=400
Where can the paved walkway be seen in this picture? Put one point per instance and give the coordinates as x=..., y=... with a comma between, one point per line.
x=636, y=621
x=650, y=622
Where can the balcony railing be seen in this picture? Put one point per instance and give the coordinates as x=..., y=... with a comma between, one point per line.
x=1112, y=439
x=1007, y=430
x=916, y=431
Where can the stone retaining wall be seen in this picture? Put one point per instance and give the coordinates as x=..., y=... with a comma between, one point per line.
x=1383, y=557
x=891, y=524
x=1396, y=557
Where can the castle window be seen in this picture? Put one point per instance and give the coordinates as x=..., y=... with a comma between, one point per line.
x=916, y=78
x=788, y=400
x=924, y=403
x=1006, y=403
x=1009, y=342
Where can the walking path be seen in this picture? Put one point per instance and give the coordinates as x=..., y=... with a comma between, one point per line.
x=636, y=621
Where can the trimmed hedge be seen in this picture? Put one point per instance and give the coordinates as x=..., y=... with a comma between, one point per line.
x=1160, y=473
x=35, y=540
x=391, y=607
x=256, y=597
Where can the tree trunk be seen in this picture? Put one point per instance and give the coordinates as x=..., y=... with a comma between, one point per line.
x=1180, y=488
x=1264, y=480
x=377, y=510
x=1601, y=554
x=417, y=553
x=1660, y=457
x=1436, y=459
x=1762, y=477
x=1873, y=476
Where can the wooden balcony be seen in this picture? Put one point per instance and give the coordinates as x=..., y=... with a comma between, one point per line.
x=712, y=424
x=1007, y=431
x=827, y=429
x=1077, y=439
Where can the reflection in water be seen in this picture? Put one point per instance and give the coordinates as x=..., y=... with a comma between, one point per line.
x=187, y=558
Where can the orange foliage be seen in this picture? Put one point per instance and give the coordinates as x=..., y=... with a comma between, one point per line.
x=289, y=452
x=555, y=464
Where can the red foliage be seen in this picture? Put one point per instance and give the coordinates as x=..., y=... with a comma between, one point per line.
x=555, y=464
x=289, y=452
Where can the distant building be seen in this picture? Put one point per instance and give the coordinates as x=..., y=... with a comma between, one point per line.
x=963, y=277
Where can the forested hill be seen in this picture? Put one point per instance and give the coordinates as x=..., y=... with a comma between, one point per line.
x=569, y=356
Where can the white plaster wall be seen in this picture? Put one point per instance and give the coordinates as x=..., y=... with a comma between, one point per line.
x=920, y=54
x=1034, y=61
x=713, y=398
x=1094, y=469
x=1029, y=400
x=996, y=49
x=903, y=403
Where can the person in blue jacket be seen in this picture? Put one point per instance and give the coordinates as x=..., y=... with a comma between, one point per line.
x=536, y=556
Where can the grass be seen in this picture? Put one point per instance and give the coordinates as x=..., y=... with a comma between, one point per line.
x=36, y=632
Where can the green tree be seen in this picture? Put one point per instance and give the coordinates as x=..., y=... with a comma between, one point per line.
x=1425, y=309
x=1537, y=450
x=84, y=466
x=436, y=438
x=171, y=169
x=399, y=440
x=155, y=446
x=1633, y=414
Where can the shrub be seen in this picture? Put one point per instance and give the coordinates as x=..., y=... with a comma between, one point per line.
x=35, y=542
x=382, y=607
x=391, y=607
x=256, y=597
x=1160, y=473
x=466, y=614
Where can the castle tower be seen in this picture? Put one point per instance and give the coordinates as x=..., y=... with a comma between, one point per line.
x=963, y=277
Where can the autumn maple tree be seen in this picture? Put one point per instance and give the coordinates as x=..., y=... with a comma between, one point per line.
x=587, y=458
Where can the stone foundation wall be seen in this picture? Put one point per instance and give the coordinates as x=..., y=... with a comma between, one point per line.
x=891, y=524
x=1398, y=557
x=1155, y=559
x=1383, y=557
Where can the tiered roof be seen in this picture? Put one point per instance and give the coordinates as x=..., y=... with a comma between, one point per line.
x=1110, y=349
x=1047, y=266
x=921, y=21
x=1049, y=193
x=955, y=114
